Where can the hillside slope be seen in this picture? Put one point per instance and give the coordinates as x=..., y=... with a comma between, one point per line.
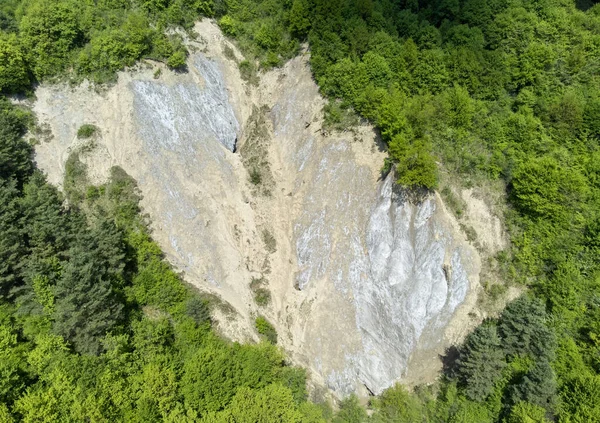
x=242, y=184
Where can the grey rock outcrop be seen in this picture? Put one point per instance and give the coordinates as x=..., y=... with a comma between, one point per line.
x=409, y=295
x=182, y=116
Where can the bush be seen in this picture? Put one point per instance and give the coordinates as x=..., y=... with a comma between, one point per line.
x=49, y=31
x=248, y=71
x=177, y=60
x=255, y=177
x=87, y=131
x=269, y=240
x=262, y=296
x=197, y=308
x=228, y=25
x=13, y=68
x=415, y=165
x=268, y=37
x=266, y=329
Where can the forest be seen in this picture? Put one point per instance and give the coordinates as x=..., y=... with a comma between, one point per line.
x=96, y=326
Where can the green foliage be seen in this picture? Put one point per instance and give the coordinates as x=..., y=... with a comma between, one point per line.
x=350, y=411
x=48, y=38
x=262, y=296
x=248, y=73
x=15, y=153
x=397, y=405
x=480, y=362
x=544, y=189
x=197, y=308
x=212, y=373
x=269, y=241
x=44, y=293
x=86, y=307
x=581, y=399
x=524, y=412
x=524, y=331
x=271, y=404
x=75, y=180
x=114, y=48
x=13, y=369
x=228, y=25
x=13, y=66
x=339, y=118
x=12, y=242
x=488, y=89
x=266, y=329
x=255, y=176
x=537, y=387
x=415, y=165
x=86, y=131
x=300, y=18
x=49, y=31
x=177, y=60
x=156, y=284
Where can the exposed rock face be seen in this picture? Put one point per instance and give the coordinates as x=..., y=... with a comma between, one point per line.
x=367, y=287
x=163, y=112
x=417, y=281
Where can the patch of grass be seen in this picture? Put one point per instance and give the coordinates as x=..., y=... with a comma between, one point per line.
x=92, y=193
x=254, y=152
x=269, y=240
x=154, y=313
x=266, y=329
x=262, y=296
x=469, y=232
x=452, y=201
x=43, y=132
x=495, y=291
x=213, y=300
x=87, y=130
x=157, y=73
x=338, y=117
x=255, y=176
x=248, y=72
x=228, y=52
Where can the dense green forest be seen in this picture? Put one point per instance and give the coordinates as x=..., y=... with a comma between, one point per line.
x=95, y=326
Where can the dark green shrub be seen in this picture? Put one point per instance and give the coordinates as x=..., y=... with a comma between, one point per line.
x=197, y=308
x=255, y=177
x=262, y=296
x=87, y=130
x=248, y=71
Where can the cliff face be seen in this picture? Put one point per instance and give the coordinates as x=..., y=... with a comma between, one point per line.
x=241, y=182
